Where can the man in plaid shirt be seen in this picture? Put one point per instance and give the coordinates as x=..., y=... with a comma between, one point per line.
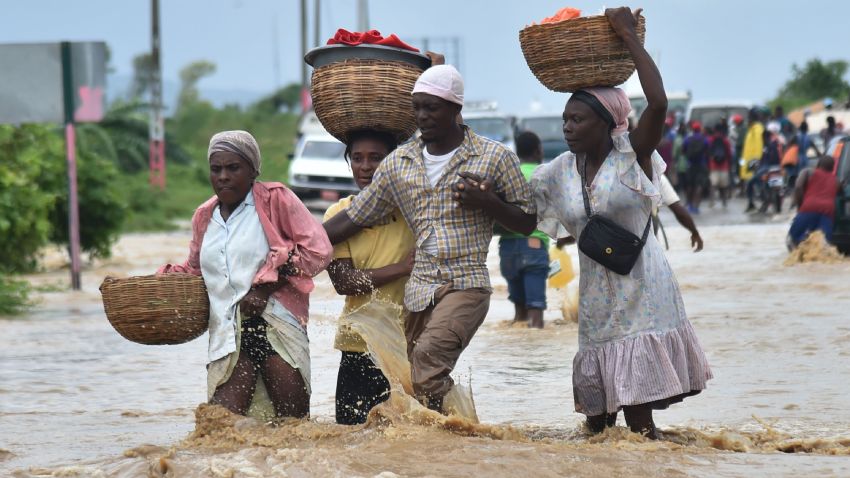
x=451, y=185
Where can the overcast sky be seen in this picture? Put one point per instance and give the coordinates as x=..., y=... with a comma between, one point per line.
x=718, y=49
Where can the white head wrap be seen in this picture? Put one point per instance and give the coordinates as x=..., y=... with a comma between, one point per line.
x=442, y=81
x=237, y=142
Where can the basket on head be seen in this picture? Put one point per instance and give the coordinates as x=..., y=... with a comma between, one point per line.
x=573, y=54
x=157, y=309
x=366, y=87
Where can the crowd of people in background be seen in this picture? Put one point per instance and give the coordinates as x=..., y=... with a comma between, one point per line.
x=714, y=161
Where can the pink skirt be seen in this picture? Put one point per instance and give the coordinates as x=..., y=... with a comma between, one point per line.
x=655, y=368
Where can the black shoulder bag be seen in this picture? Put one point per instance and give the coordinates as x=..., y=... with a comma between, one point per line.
x=605, y=241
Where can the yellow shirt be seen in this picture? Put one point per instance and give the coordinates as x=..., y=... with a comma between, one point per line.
x=753, y=147
x=372, y=248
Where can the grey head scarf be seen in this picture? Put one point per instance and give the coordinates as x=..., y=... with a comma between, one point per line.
x=237, y=142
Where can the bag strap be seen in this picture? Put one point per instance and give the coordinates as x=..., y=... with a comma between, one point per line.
x=587, y=210
x=584, y=186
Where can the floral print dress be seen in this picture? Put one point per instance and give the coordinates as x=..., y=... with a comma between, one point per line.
x=636, y=345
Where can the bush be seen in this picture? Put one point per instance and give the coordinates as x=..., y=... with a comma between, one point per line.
x=34, y=196
x=102, y=204
x=14, y=296
x=28, y=155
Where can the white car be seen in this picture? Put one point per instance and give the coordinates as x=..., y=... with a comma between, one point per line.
x=319, y=169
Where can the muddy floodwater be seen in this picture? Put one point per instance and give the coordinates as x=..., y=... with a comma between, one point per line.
x=77, y=399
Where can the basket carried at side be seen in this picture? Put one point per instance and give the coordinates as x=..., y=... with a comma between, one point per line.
x=365, y=87
x=157, y=309
x=573, y=54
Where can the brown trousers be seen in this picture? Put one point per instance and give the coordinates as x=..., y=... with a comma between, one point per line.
x=437, y=335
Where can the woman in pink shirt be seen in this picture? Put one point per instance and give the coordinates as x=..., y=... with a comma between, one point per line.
x=257, y=248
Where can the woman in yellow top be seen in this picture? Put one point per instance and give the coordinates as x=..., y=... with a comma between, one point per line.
x=374, y=263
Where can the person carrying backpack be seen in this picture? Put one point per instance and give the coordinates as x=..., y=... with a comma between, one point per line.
x=696, y=150
x=719, y=162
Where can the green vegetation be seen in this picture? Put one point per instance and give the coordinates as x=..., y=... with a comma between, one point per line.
x=14, y=296
x=28, y=154
x=112, y=172
x=814, y=81
x=188, y=184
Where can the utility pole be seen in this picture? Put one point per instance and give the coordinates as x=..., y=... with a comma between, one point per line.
x=317, y=23
x=71, y=157
x=275, y=52
x=305, y=92
x=157, y=124
x=362, y=15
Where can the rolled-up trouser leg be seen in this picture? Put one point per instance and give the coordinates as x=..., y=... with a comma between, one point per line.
x=437, y=336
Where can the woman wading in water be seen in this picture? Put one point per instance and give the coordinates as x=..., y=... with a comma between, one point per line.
x=375, y=262
x=637, y=349
x=257, y=248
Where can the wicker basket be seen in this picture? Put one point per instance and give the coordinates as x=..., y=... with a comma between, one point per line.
x=359, y=94
x=157, y=309
x=573, y=54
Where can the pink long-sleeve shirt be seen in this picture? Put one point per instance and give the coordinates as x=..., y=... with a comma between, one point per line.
x=289, y=227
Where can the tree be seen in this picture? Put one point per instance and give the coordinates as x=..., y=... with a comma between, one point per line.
x=142, y=73
x=814, y=81
x=102, y=203
x=190, y=75
x=287, y=98
x=122, y=136
x=28, y=154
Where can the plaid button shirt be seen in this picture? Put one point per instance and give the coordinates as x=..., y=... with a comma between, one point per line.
x=463, y=235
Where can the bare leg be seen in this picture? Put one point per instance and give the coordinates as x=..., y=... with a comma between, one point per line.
x=236, y=393
x=535, y=318
x=639, y=420
x=286, y=388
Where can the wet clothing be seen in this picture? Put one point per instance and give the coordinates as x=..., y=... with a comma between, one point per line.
x=463, y=235
x=231, y=253
x=269, y=230
x=805, y=223
x=447, y=294
x=636, y=345
x=255, y=343
x=438, y=335
x=360, y=385
x=371, y=248
x=294, y=236
x=287, y=339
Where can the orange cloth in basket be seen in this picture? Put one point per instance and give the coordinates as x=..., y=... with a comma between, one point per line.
x=566, y=13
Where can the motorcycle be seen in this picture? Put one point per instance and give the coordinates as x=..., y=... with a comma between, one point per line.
x=773, y=187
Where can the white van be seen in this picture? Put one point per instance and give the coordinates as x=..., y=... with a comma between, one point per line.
x=710, y=113
x=318, y=168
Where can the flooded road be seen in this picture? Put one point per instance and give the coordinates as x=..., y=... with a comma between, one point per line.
x=76, y=399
